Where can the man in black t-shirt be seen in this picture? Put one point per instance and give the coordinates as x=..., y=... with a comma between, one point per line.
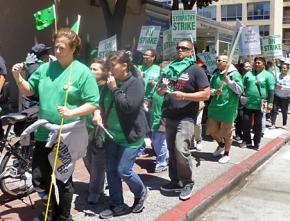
x=180, y=108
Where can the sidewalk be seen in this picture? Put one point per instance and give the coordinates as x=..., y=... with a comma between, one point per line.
x=212, y=180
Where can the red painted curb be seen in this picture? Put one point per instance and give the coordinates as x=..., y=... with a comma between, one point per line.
x=183, y=209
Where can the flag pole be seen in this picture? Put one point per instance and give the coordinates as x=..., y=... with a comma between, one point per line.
x=55, y=8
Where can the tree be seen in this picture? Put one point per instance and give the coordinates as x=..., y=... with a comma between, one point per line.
x=114, y=14
x=188, y=4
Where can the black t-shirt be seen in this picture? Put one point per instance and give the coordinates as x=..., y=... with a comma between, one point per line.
x=193, y=79
x=3, y=69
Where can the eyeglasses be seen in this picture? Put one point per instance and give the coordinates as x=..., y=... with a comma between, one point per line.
x=183, y=48
x=219, y=60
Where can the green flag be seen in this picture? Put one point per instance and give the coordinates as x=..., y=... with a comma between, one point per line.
x=76, y=25
x=44, y=18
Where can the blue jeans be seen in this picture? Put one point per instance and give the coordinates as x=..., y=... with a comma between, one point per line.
x=160, y=148
x=119, y=162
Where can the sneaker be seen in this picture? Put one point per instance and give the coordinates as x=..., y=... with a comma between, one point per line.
x=186, y=191
x=245, y=145
x=113, y=211
x=218, y=151
x=138, y=204
x=237, y=138
x=198, y=146
x=272, y=126
x=61, y=218
x=284, y=127
x=224, y=159
x=257, y=146
x=171, y=187
x=160, y=169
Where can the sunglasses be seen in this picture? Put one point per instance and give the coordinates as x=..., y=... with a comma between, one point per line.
x=219, y=60
x=183, y=48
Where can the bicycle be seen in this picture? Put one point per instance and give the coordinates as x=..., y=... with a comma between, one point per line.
x=15, y=167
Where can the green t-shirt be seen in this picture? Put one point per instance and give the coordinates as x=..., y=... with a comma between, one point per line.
x=225, y=107
x=155, y=111
x=50, y=82
x=266, y=82
x=149, y=73
x=113, y=124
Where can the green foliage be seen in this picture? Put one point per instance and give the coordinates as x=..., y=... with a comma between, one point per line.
x=188, y=4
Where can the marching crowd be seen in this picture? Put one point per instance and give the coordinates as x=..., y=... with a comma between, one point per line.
x=124, y=103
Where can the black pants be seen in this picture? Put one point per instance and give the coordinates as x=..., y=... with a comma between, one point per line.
x=239, y=122
x=247, y=125
x=282, y=103
x=41, y=178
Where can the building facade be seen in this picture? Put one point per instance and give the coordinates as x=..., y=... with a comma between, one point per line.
x=272, y=16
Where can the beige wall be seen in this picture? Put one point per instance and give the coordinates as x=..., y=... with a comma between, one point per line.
x=18, y=32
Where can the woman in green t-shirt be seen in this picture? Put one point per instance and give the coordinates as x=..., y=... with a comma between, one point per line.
x=51, y=82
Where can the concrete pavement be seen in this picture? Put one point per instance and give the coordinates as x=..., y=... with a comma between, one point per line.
x=265, y=197
x=212, y=181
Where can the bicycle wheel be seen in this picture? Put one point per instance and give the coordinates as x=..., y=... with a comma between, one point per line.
x=15, y=174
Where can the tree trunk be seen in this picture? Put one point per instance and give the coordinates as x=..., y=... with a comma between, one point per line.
x=114, y=20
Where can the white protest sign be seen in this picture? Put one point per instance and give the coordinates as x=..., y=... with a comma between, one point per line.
x=236, y=56
x=149, y=37
x=106, y=46
x=250, y=41
x=183, y=24
x=272, y=46
x=209, y=60
x=169, y=46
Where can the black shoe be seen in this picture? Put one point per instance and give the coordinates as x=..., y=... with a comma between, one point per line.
x=171, y=187
x=186, y=192
x=61, y=218
x=257, y=146
x=113, y=211
x=138, y=204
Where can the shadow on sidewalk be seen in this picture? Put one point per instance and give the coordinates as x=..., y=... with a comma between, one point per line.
x=24, y=213
x=204, y=156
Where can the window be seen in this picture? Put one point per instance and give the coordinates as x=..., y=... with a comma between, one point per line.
x=208, y=12
x=258, y=10
x=264, y=30
x=231, y=12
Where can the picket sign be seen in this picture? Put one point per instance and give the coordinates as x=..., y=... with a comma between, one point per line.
x=183, y=25
x=149, y=37
x=250, y=41
x=106, y=46
x=209, y=60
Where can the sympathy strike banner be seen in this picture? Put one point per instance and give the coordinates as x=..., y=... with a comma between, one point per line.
x=250, y=41
x=209, y=60
x=106, y=46
x=149, y=37
x=183, y=24
x=169, y=46
x=272, y=46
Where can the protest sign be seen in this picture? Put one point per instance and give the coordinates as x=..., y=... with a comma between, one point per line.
x=209, y=60
x=149, y=37
x=250, y=41
x=106, y=46
x=272, y=46
x=169, y=46
x=184, y=25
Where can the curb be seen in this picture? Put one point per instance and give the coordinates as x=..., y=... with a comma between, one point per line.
x=211, y=193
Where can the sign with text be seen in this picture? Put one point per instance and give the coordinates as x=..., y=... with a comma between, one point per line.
x=149, y=37
x=272, y=46
x=169, y=46
x=106, y=46
x=209, y=60
x=183, y=24
x=250, y=41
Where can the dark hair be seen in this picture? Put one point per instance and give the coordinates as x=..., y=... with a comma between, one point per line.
x=153, y=52
x=186, y=40
x=122, y=57
x=260, y=58
x=287, y=65
x=103, y=67
x=75, y=41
